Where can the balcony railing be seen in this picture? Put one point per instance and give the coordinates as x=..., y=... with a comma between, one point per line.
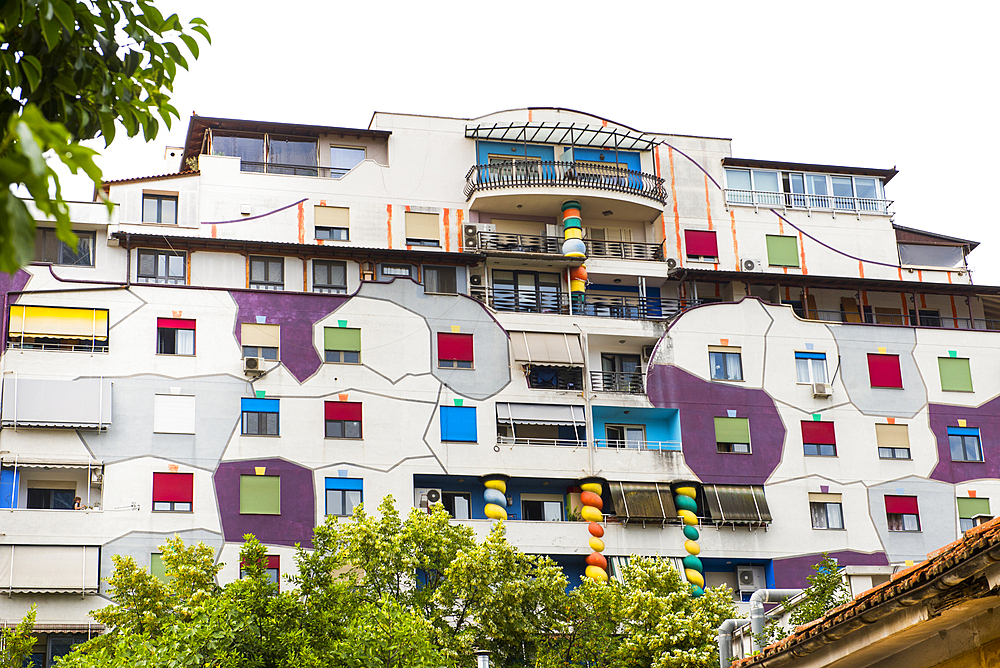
x=564, y=442
x=530, y=243
x=899, y=319
x=533, y=173
x=510, y=300
x=617, y=381
x=858, y=205
x=637, y=445
x=292, y=170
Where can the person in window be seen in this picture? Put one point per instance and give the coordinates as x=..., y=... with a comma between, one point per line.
x=78, y=504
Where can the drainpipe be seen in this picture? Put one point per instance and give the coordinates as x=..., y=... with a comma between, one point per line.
x=757, y=601
x=725, y=639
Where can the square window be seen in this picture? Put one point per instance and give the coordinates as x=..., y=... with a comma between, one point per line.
x=397, y=270
x=332, y=222
x=826, y=511
x=342, y=495
x=440, y=280
x=810, y=367
x=423, y=229
x=956, y=376
x=267, y=273
x=173, y=414
x=973, y=512
x=333, y=233
x=343, y=419
x=260, y=417
x=554, y=377
x=163, y=267
x=342, y=345
x=343, y=159
x=455, y=351
x=725, y=363
x=883, y=370
x=701, y=245
x=542, y=508
x=159, y=209
x=458, y=423
x=260, y=495
x=174, y=336
x=173, y=492
x=260, y=341
x=272, y=570
x=965, y=444
x=902, y=513
x=893, y=441
x=732, y=435
x=49, y=248
x=818, y=438
x=782, y=251
x=329, y=276
x=458, y=504
x=157, y=568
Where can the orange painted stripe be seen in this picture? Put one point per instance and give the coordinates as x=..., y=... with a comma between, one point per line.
x=923, y=301
x=190, y=253
x=920, y=275
x=864, y=297
x=673, y=196
x=663, y=219
x=247, y=258
x=802, y=255
x=785, y=269
x=949, y=277
x=781, y=226
x=459, y=222
x=447, y=231
x=388, y=224
x=900, y=271
x=529, y=115
x=736, y=247
x=954, y=311
x=708, y=204
x=861, y=268
x=302, y=223
x=906, y=307
x=215, y=232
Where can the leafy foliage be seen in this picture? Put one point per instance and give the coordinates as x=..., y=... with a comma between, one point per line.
x=16, y=644
x=68, y=71
x=827, y=589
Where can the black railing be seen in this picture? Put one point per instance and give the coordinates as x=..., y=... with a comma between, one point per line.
x=555, y=378
x=625, y=382
x=531, y=243
x=601, y=306
x=596, y=176
x=292, y=170
x=899, y=319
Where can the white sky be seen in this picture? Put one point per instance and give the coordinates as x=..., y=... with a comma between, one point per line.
x=870, y=84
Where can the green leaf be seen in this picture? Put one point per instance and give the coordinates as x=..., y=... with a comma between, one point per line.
x=192, y=44
x=28, y=146
x=201, y=30
x=32, y=69
x=64, y=14
x=51, y=31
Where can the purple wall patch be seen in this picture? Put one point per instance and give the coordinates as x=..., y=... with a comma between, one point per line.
x=10, y=283
x=699, y=402
x=296, y=313
x=791, y=573
x=298, y=503
x=987, y=419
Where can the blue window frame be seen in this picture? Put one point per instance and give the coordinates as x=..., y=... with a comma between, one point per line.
x=965, y=444
x=458, y=423
x=810, y=367
x=260, y=417
x=343, y=494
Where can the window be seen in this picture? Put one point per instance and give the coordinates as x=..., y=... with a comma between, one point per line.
x=826, y=511
x=46, y=498
x=956, y=376
x=701, y=245
x=745, y=186
x=800, y=190
x=554, y=377
x=965, y=444
x=250, y=150
x=157, y=568
x=343, y=159
x=174, y=336
x=901, y=513
x=260, y=495
x=48, y=248
x=159, y=209
x=732, y=435
x=527, y=291
x=53, y=328
x=883, y=370
x=973, y=512
x=329, y=276
x=173, y=492
x=632, y=436
x=458, y=423
x=291, y=155
x=927, y=255
x=893, y=441
x=458, y=504
x=397, y=270
x=342, y=345
x=260, y=417
x=422, y=229
x=260, y=340
x=619, y=373
x=818, y=439
x=454, y=350
x=725, y=363
x=173, y=414
x=441, y=280
x=342, y=495
x=267, y=273
x=272, y=569
x=782, y=251
x=343, y=419
x=332, y=222
x=541, y=508
x=164, y=267
x=810, y=367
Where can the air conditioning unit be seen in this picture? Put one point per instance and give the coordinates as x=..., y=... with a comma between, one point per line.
x=253, y=366
x=751, y=265
x=425, y=497
x=647, y=352
x=475, y=279
x=822, y=390
x=673, y=263
x=750, y=578
x=470, y=235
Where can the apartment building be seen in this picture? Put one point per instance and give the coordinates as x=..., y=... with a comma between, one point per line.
x=304, y=318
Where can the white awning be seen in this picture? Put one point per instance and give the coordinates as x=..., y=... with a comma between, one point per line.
x=41, y=461
x=544, y=414
x=49, y=569
x=84, y=403
x=547, y=348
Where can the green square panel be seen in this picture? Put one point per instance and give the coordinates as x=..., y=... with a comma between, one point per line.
x=969, y=508
x=782, y=251
x=342, y=338
x=260, y=495
x=156, y=567
x=732, y=430
x=956, y=376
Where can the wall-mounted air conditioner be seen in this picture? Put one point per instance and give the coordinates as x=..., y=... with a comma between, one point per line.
x=647, y=352
x=425, y=497
x=751, y=265
x=253, y=366
x=750, y=578
x=673, y=263
x=470, y=235
x=822, y=390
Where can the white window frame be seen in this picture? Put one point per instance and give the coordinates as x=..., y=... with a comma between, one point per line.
x=809, y=368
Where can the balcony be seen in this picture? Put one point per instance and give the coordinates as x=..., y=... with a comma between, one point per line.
x=900, y=320
x=637, y=445
x=809, y=203
x=292, y=170
x=563, y=442
x=530, y=243
x=510, y=300
x=617, y=381
x=558, y=174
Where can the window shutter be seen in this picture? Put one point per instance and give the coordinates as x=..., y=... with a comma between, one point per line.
x=455, y=347
x=969, y=508
x=884, y=370
x=458, y=423
x=342, y=338
x=782, y=251
x=265, y=336
x=177, y=487
x=173, y=414
x=732, y=430
x=701, y=242
x=332, y=216
x=174, y=323
x=956, y=376
x=422, y=225
x=892, y=435
x=260, y=495
x=820, y=433
x=901, y=505
x=345, y=483
x=343, y=410
x=259, y=405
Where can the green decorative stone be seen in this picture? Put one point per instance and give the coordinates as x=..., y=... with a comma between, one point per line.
x=694, y=563
x=685, y=503
x=690, y=533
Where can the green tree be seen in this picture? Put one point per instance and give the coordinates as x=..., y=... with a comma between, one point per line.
x=70, y=69
x=16, y=643
x=827, y=589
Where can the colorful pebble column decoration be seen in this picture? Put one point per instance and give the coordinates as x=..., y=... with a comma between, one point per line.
x=590, y=497
x=686, y=509
x=573, y=246
x=495, y=496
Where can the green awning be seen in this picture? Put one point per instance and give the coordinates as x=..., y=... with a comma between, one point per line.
x=782, y=251
x=342, y=338
x=969, y=508
x=732, y=430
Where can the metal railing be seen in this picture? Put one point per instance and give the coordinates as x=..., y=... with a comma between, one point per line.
x=511, y=300
x=617, y=381
x=903, y=320
x=555, y=378
x=637, y=445
x=83, y=347
x=531, y=243
x=531, y=173
x=564, y=442
x=857, y=205
x=292, y=170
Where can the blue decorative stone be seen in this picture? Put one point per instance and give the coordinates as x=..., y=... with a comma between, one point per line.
x=495, y=496
x=574, y=247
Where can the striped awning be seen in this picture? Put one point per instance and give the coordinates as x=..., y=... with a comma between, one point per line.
x=58, y=322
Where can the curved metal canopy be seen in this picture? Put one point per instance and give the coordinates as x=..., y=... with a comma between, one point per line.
x=569, y=134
